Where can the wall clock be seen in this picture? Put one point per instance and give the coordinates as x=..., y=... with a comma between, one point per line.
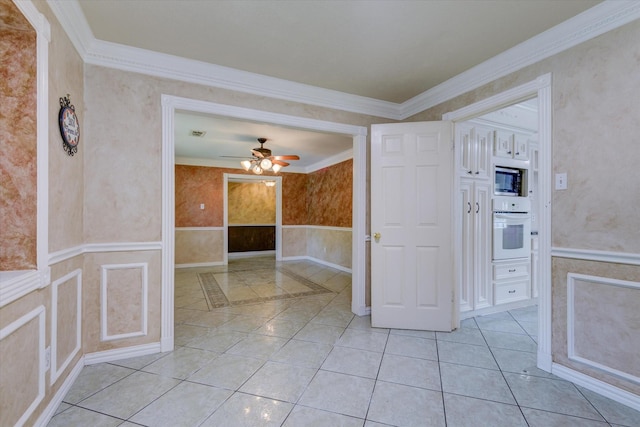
x=69, y=126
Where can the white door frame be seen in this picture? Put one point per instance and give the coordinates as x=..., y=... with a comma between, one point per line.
x=257, y=178
x=540, y=88
x=170, y=104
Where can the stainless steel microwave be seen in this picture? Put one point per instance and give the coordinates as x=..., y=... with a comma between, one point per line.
x=510, y=182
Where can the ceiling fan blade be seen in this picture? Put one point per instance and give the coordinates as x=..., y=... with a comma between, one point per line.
x=280, y=162
x=286, y=157
x=257, y=154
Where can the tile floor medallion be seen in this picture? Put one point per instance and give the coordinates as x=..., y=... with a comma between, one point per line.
x=276, y=344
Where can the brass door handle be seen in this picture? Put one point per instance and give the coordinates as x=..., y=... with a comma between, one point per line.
x=376, y=236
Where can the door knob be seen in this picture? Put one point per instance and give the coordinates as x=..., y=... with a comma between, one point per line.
x=376, y=236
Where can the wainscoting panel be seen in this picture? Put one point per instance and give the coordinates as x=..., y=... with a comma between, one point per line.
x=199, y=246
x=123, y=301
x=603, y=324
x=22, y=367
x=66, y=321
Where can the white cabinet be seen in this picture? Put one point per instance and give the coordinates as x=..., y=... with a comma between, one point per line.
x=475, y=151
x=511, y=281
x=511, y=145
x=476, y=285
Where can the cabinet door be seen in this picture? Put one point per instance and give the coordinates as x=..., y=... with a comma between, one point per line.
x=481, y=207
x=484, y=141
x=466, y=259
x=503, y=146
x=466, y=151
x=521, y=147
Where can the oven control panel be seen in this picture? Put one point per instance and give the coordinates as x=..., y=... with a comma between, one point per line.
x=511, y=204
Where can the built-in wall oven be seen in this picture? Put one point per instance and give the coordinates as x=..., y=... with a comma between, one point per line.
x=511, y=228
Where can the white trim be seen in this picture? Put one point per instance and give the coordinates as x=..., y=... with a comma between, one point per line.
x=593, y=22
x=598, y=20
x=121, y=353
x=604, y=389
x=251, y=225
x=249, y=254
x=228, y=164
x=38, y=312
x=571, y=351
x=320, y=227
x=104, y=335
x=65, y=254
x=56, y=400
x=55, y=372
x=227, y=177
x=199, y=264
x=319, y=261
x=199, y=228
x=172, y=103
x=540, y=87
x=18, y=284
x=592, y=255
x=359, y=227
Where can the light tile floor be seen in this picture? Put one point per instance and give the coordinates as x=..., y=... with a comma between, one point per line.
x=309, y=362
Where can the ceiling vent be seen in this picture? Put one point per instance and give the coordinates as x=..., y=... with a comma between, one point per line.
x=198, y=133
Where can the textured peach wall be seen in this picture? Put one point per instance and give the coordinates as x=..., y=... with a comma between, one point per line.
x=251, y=203
x=330, y=195
x=18, y=143
x=294, y=199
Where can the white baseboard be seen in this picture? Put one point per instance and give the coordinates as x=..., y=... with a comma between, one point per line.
x=52, y=407
x=121, y=353
x=200, y=264
x=317, y=260
x=607, y=390
x=249, y=254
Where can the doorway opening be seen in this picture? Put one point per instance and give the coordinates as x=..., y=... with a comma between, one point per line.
x=171, y=104
x=257, y=229
x=540, y=89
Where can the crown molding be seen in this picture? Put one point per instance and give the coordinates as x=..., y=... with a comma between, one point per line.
x=591, y=23
x=330, y=161
x=601, y=18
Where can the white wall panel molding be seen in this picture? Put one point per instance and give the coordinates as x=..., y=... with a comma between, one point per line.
x=604, y=17
x=36, y=313
x=121, y=353
x=104, y=298
x=605, y=389
x=200, y=264
x=573, y=353
x=55, y=370
x=592, y=255
x=319, y=227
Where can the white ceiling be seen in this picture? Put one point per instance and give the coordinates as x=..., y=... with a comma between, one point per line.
x=386, y=50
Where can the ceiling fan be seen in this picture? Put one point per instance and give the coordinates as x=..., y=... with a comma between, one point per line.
x=263, y=160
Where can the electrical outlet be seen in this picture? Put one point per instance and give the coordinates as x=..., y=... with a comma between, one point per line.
x=561, y=181
x=202, y=206
x=47, y=358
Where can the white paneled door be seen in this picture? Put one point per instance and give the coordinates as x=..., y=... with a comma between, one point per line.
x=411, y=226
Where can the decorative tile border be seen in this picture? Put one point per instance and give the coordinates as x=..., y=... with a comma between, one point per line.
x=217, y=299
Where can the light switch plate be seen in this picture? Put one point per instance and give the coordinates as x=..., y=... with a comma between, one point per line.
x=561, y=181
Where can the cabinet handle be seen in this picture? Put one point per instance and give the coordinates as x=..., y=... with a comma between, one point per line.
x=517, y=153
x=477, y=172
x=512, y=271
x=469, y=203
x=469, y=172
x=477, y=207
x=508, y=152
x=512, y=292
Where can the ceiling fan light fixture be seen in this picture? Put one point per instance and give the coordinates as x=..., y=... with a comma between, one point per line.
x=257, y=170
x=276, y=168
x=246, y=164
x=265, y=164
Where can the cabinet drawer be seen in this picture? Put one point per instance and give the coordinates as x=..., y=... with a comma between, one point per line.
x=512, y=291
x=508, y=271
